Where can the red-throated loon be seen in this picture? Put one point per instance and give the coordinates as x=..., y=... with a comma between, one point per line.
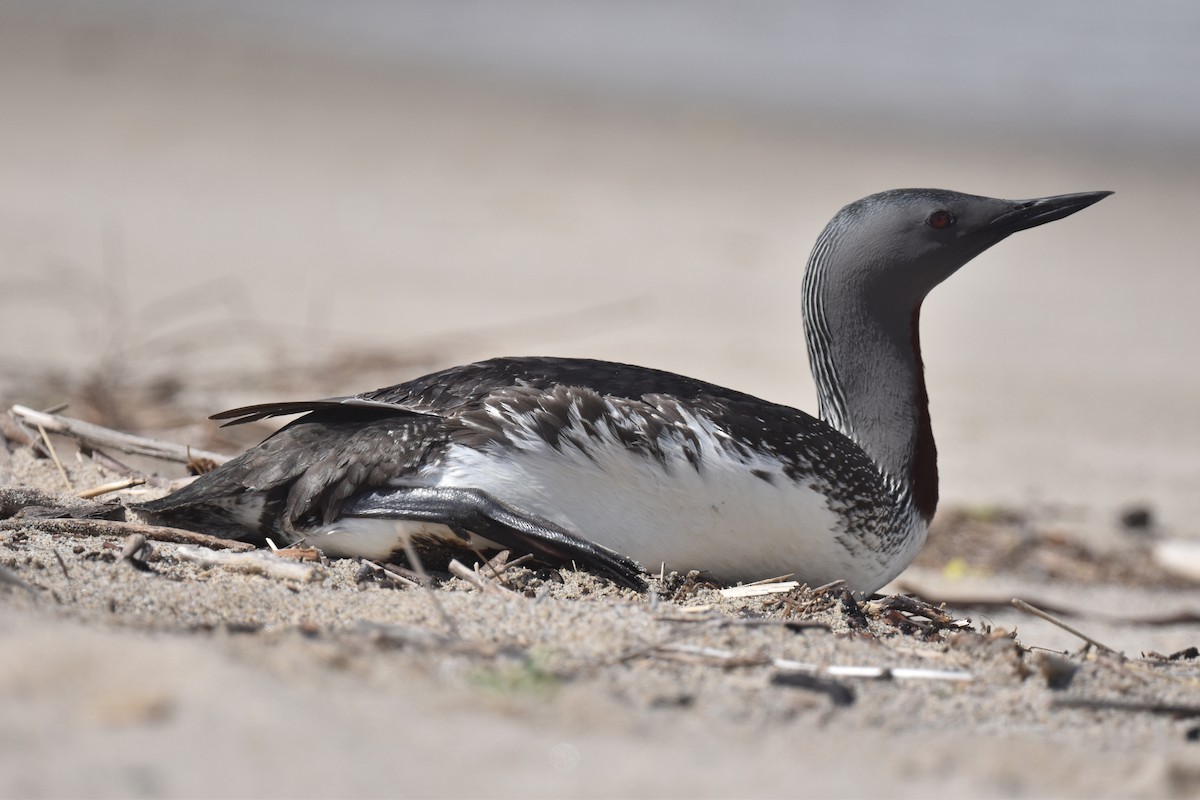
x=611, y=466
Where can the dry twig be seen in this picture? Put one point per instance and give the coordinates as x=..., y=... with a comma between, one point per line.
x=108, y=527
x=113, y=465
x=62, y=564
x=793, y=625
x=499, y=564
x=726, y=658
x=15, y=498
x=114, y=486
x=415, y=562
x=135, y=546
x=1177, y=710
x=54, y=455
x=996, y=602
x=259, y=562
x=408, y=577
x=390, y=574
x=298, y=553
x=98, y=436
x=759, y=589
x=697, y=654
x=1021, y=605
x=461, y=570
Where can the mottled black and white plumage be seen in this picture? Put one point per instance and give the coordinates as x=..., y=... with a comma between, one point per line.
x=610, y=465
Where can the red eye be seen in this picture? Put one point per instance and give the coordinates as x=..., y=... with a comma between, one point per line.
x=940, y=219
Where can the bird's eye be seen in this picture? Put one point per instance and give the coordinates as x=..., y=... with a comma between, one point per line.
x=940, y=219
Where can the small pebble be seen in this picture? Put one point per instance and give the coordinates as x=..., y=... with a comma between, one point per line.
x=1137, y=518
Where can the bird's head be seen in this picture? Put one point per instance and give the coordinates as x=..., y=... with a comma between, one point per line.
x=897, y=245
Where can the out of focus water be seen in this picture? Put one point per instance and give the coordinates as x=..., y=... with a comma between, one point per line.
x=1080, y=68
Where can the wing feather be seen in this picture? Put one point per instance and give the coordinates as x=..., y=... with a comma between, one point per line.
x=261, y=411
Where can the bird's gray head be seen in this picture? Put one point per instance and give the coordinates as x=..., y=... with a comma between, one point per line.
x=868, y=274
x=896, y=246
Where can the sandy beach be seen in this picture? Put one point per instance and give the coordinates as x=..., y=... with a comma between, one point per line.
x=198, y=216
x=156, y=677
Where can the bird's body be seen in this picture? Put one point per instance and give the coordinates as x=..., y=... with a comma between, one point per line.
x=606, y=464
x=627, y=456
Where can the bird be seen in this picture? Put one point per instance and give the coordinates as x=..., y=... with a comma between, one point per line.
x=615, y=467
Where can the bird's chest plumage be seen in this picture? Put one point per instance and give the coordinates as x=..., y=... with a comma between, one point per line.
x=675, y=487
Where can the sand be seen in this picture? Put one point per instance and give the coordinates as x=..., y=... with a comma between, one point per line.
x=163, y=678
x=193, y=219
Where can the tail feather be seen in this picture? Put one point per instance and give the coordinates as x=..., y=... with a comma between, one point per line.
x=261, y=411
x=302, y=475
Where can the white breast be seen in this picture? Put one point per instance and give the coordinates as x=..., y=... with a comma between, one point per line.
x=720, y=517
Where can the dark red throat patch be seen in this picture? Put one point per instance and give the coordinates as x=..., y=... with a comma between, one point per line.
x=923, y=475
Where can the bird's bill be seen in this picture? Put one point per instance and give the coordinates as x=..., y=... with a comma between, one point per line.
x=1026, y=214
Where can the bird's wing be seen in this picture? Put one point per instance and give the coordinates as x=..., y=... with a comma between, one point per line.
x=260, y=411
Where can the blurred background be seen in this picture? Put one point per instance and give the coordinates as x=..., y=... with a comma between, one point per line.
x=204, y=204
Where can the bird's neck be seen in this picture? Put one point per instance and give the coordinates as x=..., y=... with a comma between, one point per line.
x=866, y=361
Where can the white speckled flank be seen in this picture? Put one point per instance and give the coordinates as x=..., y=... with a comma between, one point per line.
x=639, y=506
x=649, y=511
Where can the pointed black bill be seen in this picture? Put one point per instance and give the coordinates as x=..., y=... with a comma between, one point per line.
x=1026, y=214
